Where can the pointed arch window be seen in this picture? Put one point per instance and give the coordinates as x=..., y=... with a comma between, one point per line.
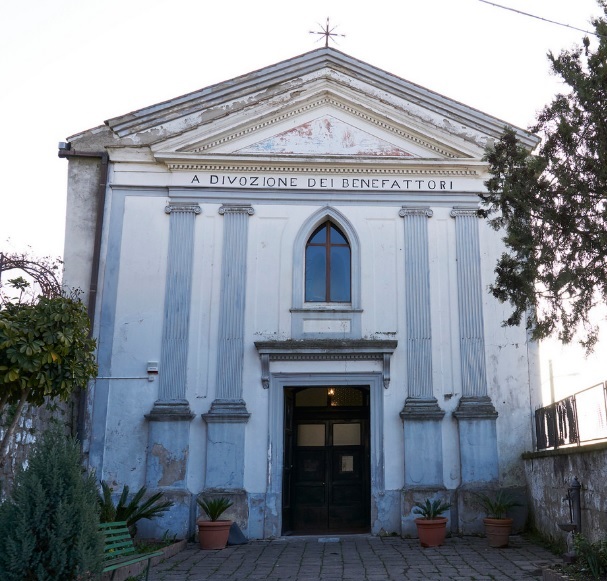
x=328, y=276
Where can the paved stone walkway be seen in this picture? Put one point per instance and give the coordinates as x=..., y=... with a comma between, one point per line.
x=357, y=558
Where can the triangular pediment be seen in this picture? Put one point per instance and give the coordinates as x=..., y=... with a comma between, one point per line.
x=326, y=122
x=322, y=104
x=326, y=135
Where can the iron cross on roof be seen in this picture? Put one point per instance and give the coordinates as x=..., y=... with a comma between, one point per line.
x=327, y=32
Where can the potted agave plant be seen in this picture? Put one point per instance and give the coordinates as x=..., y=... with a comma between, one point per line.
x=431, y=527
x=498, y=525
x=213, y=533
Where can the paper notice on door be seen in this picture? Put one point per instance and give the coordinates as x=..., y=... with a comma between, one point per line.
x=347, y=463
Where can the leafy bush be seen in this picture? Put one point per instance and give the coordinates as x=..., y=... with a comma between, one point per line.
x=130, y=511
x=49, y=525
x=214, y=507
x=431, y=509
x=499, y=505
x=592, y=556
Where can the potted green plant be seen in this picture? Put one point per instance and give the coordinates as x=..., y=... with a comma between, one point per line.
x=213, y=533
x=431, y=527
x=498, y=525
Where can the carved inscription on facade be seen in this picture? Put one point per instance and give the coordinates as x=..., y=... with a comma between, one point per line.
x=297, y=182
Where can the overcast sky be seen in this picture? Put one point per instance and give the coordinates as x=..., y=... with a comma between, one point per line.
x=68, y=65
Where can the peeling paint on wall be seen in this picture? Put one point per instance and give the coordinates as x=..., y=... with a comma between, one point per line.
x=326, y=136
x=173, y=469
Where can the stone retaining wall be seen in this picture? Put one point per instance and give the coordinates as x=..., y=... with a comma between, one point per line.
x=34, y=420
x=549, y=475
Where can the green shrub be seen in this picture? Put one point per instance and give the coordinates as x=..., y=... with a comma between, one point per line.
x=497, y=506
x=214, y=507
x=592, y=556
x=49, y=525
x=133, y=510
x=430, y=510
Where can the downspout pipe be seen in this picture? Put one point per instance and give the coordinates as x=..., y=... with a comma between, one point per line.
x=66, y=152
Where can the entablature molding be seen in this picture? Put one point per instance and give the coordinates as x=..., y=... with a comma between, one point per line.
x=325, y=350
x=283, y=163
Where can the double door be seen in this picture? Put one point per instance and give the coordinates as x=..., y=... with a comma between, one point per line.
x=326, y=485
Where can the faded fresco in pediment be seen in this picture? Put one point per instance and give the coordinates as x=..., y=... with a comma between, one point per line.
x=326, y=135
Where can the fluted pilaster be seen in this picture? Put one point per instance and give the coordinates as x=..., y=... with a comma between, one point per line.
x=176, y=324
x=421, y=414
x=232, y=303
x=474, y=403
x=470, y=303
x=417, y=302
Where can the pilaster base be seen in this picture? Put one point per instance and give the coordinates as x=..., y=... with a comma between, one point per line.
x=476, y=419
x=238, y=512
x=168, y=450
x=225, y=444
x=170, y=411
x=227, y=411
x=166, y=467
x=176, y=520
x=420, y=409
x=423, y=442
x=419, y=494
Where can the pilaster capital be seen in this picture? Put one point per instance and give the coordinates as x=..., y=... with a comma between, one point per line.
x=236, y=209
x=464, y=212
x=404, y=211
x=182, y=208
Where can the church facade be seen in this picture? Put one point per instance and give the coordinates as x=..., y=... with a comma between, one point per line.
x=288, y=281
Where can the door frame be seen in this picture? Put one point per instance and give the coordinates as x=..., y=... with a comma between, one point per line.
x=278, y=382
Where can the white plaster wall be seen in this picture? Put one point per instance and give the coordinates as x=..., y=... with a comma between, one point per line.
x=272, y=231
x=202, y=355
x=446, y=376
x=509, y=370
x=137, y=336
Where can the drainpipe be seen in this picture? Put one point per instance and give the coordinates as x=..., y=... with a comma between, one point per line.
x=66, y=152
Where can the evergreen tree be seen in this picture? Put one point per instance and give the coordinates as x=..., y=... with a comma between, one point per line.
x=553, y=205
x=49, y=525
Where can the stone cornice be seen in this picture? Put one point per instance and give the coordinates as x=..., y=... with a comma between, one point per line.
x=332, y=164
x=325, y=350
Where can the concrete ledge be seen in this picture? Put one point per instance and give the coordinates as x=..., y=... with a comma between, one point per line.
x=138, y=568
x=583, y=449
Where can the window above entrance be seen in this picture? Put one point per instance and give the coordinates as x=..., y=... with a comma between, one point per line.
x=326, y=278
x=327, y=266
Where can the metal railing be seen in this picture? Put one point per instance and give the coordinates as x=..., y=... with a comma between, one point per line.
x=577, y=419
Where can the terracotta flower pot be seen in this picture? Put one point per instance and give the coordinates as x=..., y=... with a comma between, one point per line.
x=213, y=534
x=498, y=531
x=431, y=532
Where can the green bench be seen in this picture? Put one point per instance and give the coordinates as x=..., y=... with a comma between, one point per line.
x=119, y=550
